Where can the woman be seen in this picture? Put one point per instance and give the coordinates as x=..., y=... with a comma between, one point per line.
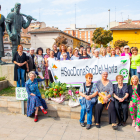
x=117, y=50
x=84, y=55
x=46, y=66
x=81, y=50
x=96, y=54
x=40, y=64
x=75, y=55
x=63, y=49
x=20, y=61
x=64, y=56
x=69, y=49
x=113, y=53
x=92, y=51
x=89, y=51
x=121, y=100
x=126, y=52
x=88, y=92
x=51, y=58
x=121, y=50
x=105, y=86
x=135, y=62
x=134, y=97
x=108, y=50
x=103, y=53
x=55, y=50
x=34, y=97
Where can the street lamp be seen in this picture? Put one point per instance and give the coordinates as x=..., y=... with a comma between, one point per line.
x=109, y=20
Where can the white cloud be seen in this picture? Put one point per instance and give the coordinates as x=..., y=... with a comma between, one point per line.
x=57, y=2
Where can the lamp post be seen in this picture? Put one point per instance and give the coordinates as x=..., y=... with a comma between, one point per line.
x=109, y=20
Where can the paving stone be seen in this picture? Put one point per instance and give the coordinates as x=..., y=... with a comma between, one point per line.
x=32, y=138
x=52, y=137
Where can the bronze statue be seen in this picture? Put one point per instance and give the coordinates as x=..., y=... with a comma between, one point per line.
x=14, y=24
x=2, y=29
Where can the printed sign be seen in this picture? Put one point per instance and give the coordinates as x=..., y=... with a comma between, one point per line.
x=21, y=93
x=74, y=71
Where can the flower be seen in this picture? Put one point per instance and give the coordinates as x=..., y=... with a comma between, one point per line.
x=70, y=92
x=77, y=92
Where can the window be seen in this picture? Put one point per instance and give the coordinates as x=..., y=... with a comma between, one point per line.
x=88, y=34
x=66, y=31
x=89, y=40
x=71, y=32
x=76, y=33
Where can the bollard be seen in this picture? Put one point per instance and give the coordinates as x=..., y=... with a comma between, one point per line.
x=22, y=106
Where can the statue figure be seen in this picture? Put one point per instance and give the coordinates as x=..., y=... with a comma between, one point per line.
x=2, y=29
x=14, y=24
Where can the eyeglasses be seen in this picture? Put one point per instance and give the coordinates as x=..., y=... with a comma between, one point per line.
x=90, y=78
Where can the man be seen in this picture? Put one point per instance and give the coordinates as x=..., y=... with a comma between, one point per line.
x=14, y=24
x=2, y=29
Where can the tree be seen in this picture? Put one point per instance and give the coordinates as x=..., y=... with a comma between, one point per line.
x=60, y=40
x=101, y=36
x=121, y=43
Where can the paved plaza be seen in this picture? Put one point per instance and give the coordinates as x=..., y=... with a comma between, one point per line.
x=19, y=127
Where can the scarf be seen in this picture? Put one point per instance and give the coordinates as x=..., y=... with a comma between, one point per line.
x=135, y=92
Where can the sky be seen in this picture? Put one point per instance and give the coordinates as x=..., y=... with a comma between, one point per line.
x=61, y=13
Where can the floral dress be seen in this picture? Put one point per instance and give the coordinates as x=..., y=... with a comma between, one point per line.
x=136, y=103
x=46, y=68
x=39, y=62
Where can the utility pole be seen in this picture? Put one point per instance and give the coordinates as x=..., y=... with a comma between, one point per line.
x=109, y=20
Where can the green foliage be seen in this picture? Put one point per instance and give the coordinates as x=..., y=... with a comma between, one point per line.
x=101, y=36
x=2, y=78
x=56, y=90
x=10, y=91
x=121, y=43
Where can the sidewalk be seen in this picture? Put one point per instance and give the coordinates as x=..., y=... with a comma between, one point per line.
x=19, y=127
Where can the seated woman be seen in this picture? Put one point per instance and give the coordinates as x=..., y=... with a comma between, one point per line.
x=88, y=92
x=121, y=100
x=134, y=97
x=34, y=97
x=105, y=86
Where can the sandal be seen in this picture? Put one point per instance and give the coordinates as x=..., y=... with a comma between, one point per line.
x=114, y=126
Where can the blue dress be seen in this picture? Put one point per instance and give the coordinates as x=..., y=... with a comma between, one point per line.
x=34, y=101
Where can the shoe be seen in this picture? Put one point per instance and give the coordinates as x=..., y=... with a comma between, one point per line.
x=119, y=124
x=88, y=126
x=115, y=127
x=44, y=111
x=36, y=118
x=124, y=124
x=98, y=126
x=82, y=124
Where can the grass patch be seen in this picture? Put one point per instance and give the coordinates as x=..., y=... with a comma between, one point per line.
x=10, y=91
x=2, y=78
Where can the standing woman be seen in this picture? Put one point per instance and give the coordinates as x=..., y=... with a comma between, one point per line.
x=135, y=62
x=55, y=50
x=92, y=51
x=69, y=49
x=46, y=66
x=84, y=55
x=126, y=52
x=121, y=100
x=103, y=53
x=20, y=61
x=113, y=53
x=106, y=86
x=96, y=54
x=63, y=49
x=40, y=64
x=108, y=50
x=75, y=55
x=81, y=50
x=122, y=50
x=134, y=97
x=117, y=50
x=34, y=97
x=89, y=51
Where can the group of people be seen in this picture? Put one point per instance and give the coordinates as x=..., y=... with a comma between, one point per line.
x=116, y=98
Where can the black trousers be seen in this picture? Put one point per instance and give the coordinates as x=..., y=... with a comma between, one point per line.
x=121, y=107
x=111, y=112
x=50, y=76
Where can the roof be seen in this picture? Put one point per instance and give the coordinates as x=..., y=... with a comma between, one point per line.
x=52, y=30
x=127, y=26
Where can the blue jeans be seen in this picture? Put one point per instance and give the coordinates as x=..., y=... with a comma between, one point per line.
x=21, y=74
x=83, y=113
x=134, y=72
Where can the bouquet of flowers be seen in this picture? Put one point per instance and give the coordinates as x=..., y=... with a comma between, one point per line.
x=56, y=90
x=100, y=99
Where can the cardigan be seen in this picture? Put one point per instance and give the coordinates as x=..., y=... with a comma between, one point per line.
x=59, y=53
x=130, y=91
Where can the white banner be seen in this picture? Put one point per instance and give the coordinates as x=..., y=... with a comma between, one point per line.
x=74, y=71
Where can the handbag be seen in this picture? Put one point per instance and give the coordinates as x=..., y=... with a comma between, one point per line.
x=74, y=103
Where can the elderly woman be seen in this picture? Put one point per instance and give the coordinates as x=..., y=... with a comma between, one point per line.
x=75, y=55
x=34, y=97
x=88, y=92
x=121, y=100
x=104, y=53
x=84, y=55
x=69, y=49
x=63, y=49
x=96, y=54
x=92, y=51
x=134, y=97
x=20, y=61
x=126, y=52
x=113, y=53
x=135, y=62
x=40, y=64
x=65, y=57
x=105, y=91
